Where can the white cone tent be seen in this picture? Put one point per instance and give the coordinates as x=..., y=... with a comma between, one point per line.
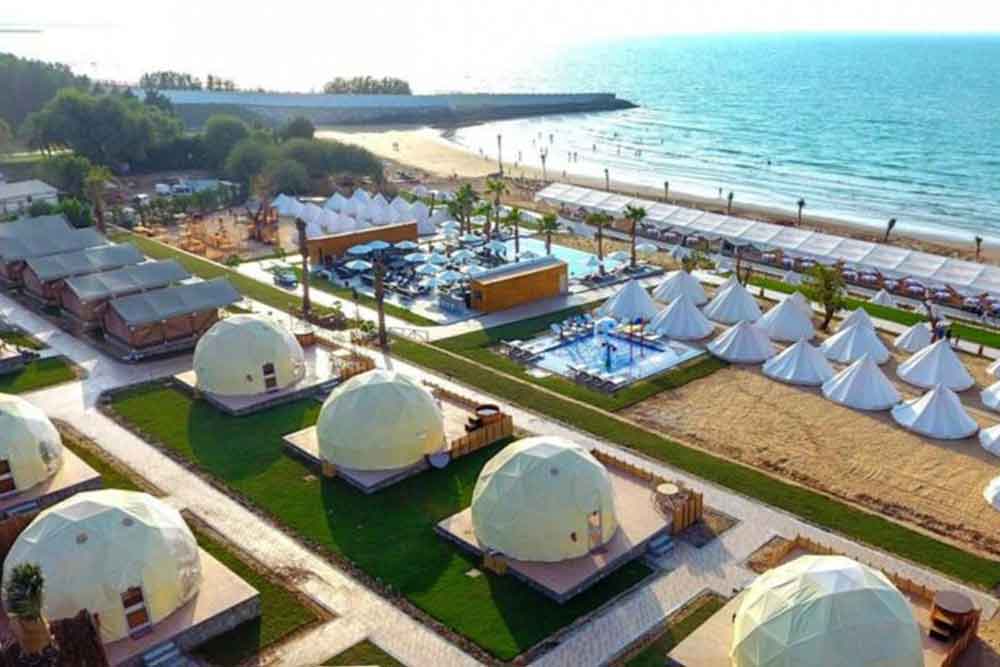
x=992, y=493
x=677, y=283
x=245, y=355
x=862, y=386
x=440, y=215
x=630, y=304
x=825, y=611
x=800, y=300
x=858, y=316
x=991, y=396
x=282, y=204
x=994, y=369
x=800, y=364
x=726, y=284
x=989, y=438
x=97, y=545
x=29, y=443
x=786, y=322
x=379, y=420
x=934, y=365
x=295, y=209
x=311, y=213
x=336, y=202
x=883, y=298
x=400, y=204
x=361, y=196
x=426, y=228
x=732, y=305
x=349, y=208
x=682, y=320
x=380, y=200
x=850, y=344
x=937, y=414
x=914, y=339
x=419, y=211
x=535, y=499
x=743, y=343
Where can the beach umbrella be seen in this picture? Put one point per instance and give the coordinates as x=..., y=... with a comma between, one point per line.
x=405, y=245
x=359, y=250
x=450, y=277
x=462, y=255
x=427, y=269
x=379, y=245
x=417, y=257
x=439, y=247
x=471, y=238
x=438, y=258
x=646, y=248
x=451, y=226
x=358, y=265
x=498, y=247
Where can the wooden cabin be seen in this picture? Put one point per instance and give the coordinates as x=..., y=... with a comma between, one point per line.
x=39, y=237
x=324, y=250
x=45, y=277
x=517, y=284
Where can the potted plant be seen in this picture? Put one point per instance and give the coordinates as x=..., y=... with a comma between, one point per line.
x=24, y=598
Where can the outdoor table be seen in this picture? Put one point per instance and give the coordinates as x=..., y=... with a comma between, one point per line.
x=954, y=602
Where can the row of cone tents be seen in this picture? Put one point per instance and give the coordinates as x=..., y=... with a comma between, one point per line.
x=340, y=214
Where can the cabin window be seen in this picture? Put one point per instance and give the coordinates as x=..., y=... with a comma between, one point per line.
x=136, y=615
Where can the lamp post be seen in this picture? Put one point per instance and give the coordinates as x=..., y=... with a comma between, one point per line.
x=304, y=251
x=544, y=154
x=500, y=153
x=729, y=203
x=607, y=180
x=666, y=190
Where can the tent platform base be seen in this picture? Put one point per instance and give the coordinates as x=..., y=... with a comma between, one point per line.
x=238, y=406
x=639, y=523
x=74, y=476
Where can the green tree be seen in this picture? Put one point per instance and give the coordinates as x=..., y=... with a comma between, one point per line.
x=67, y=173
x=462, y=205
x=27, y=85
x=549, y=226
x=222, y=133
x=6, y=135
x=299, y=127
x=635, y=215
x=825, y=286
x=77, y=212
x=367, y=85
x=286, y=175
x=496, y=188
x=94, y=184
x=247, y=160
x=155, y=98
x=599, y=221
x=169, y=80
x=514, y=218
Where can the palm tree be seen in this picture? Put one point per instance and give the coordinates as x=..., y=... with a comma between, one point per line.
x=484, y=209
x=496, y=188
x=24, y=595
x=514, y=219
x=304, y=251
x=729, y=203
x=548, y=226
x=379, y=270
x=97, y=177
x=666, y=190
x=979, y=246
x=543, y=155
x=802, y=205
x=461, y=206
x=889, y=226
x=635, y=215
x=599, y=220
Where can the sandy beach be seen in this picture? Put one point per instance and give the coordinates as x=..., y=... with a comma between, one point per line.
x=427, y=154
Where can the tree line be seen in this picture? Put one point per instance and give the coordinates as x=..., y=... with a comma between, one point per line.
x=173, y=80
x=25, y=85
x=367, y=85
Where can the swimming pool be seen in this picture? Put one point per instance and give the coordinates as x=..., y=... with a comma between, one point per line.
x=577, y=260
x=610, y=354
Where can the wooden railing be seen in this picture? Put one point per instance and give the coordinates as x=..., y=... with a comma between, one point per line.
x=355, y=365
x=482, y=437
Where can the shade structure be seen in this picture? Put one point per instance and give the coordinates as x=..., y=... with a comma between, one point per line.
x=743, y=343
x=406, y=245
x=428, y=269
x=936, y=364
x=646, y=248
x=883, y=298
x=989, y=438
x=632, y=303
x=937, y=414
x=543, y=499
x=361, y=196
x=800, y=364
x=991, y=396
x=992, y=493
x=858, y=316
x=850, y=344
x=416, y=257
x=619, y=256
x=679, y=283
x=379, y=420
x=244, y=355
x=914, y=339
x=786, y=322
x=462, y=255
x=862, y=386
x=733, y=304
x=358, y=265
x=97, y=545
x=359, y=250
x=825, y=611
x=29, y=443
x=800, y=300
x=726, y=284
x=682, y=320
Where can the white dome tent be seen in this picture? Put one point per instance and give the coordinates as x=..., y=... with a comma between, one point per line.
x=862, y=386
x=379, y=420
x=732, y=305
x=682, y=320
x=859, y=316
x=786, y=322
x=29, y=443
x=799, y=364
x=540, y=499
x=244, y=355
x=992, y=493
x=914, y=339
x=825, y=611
x=991, y=396
x=99, y=545
x=679, y=283
x=883, y=298
x=937, y=414
x=934, y=365
x=743, y=343
x=850, y=344
x=631, y=304
x=989, y=438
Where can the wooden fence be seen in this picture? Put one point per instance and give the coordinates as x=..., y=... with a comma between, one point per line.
x=962, y=643
x=355, y=365
x=688, y=511
x=482, y=437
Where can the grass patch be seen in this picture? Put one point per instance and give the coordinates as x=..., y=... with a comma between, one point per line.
x=112, y=476
x=38, y=375
x=809, y=505
x=21, y=339
x=655, y=654
x=391, y=309
x=364, y=653
x=388, y=535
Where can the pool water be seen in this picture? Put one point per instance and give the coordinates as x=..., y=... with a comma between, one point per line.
x=577, y=260
x=614, y=355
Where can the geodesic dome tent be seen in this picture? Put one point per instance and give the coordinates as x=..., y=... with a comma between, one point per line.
x=103, y=550
x=29, y=443
x=246, y=354
x=543, y=499
x=379, y=420
x=825, y=611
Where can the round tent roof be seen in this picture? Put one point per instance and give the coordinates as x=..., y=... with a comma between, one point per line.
x=678, y=283
x=883, y=298
x=862, y=386
x=858, y=316
x=991, y=396
x=786, y=322
x=743, y=343
x=682, y=320
x=800, y=300
x=933, y=365
x=994, y=369
x=800, y=364
x=631, y=303
x=937, y=414
x=825, y=611
x=379, y=420
x=240, y=355
x=29, y=442
x=539, y=498
x=850, y=344
x=96, y=545
x=733, y=304
x=914, y=339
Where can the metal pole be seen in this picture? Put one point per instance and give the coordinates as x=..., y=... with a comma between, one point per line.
x=500, y=152
x=607, y=180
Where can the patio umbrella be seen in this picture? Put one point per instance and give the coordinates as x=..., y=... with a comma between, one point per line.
x=358, y=265
x=378, y=245
x=417, y=257
x=427, y=269
x=359, y=250
x=431, y=282
x=405, y=245
x=646, y=248
x=451, y=235
x=450, y=276
x=450, y=226
x=438, y=258
x=471, y=238
x=439, y=247
x=498, y=247
x=619, y=256
x=462, y=255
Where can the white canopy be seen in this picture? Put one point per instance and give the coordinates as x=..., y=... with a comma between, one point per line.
x=29, y=443
x=680, y=282
x=914, y=339
x=732, y=305
x=535, y=500
x=937, y=414
x=800, y=364
x=862, y=386
x=419, y=211
x=743, y=343
x=336, y=202
x=350, y=207
x=800, y=300
x=850, y=344
x=97, y=545
x=311, y=213
x=883, y=298
x=994, y=369
x=630, y=304
x=361, y=196
x=246, y=354
x=786, y=322
x=859, y=316
x=380, y=200
x=682, y=320
x=991, y=396
x=825, y=611
x=400, y=204
x=933, y=365
x=989, y=438
x=992, y=493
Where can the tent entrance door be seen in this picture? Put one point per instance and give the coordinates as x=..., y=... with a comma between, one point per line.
x=270, y=378
x=136, y=615
x=594, y=530
x=7, y=484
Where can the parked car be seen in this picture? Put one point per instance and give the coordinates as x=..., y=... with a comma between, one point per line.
x=286, y=279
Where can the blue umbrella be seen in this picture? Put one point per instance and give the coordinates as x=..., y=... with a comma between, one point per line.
x=462, y=255
x=438, y=258
x=450, y=276
x=379, y=245
x=498, y=247
x=358, y=265
x=417, y=257
x=428, y=269
x=471, y=238
x=405, y=245
x=359, y=250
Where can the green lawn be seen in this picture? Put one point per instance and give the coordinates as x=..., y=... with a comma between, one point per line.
x=21, y=339
x=364, y=653
x=674, y=633
x=38, y=375
x=809, y=505
x=364, y=300
x=388, y=535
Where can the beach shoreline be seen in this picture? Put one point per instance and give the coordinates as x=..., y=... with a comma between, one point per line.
x=446, y=163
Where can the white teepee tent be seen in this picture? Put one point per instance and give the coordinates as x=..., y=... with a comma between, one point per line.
x=859, y=316
x=732, y=305
x=743, y=343
x=992, y=493
x=632, y=303
x=862, y=386
x=850, y=344
x=989, y=438
x=934, y=365
x=937, y=414
x=991, y=396
x=800, y=364
x=786, y=322
x=682, y=320
x=800, y=300
x=677, y=283
x=882, y=298
x=914, y=339
x=994, y=369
